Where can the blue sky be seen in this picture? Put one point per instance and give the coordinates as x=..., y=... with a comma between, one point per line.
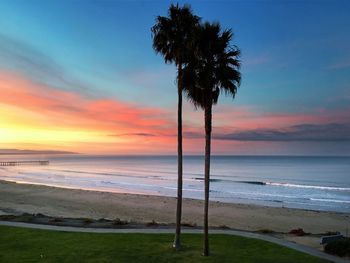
x=295, y=55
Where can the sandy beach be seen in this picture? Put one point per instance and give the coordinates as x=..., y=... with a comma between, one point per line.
x=58, y=202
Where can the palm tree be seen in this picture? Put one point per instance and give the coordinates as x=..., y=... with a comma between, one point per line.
x=171, y=38
x=213, y=69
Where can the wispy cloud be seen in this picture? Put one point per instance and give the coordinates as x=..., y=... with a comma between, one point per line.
x=256, y=60
x=121, y=126
x=71, y=109
x=23, y=58
x=141, y=134
x=331, y=132
x=303, y=132
x=341, y=64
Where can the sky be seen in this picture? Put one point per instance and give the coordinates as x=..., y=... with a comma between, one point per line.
x=82, y=76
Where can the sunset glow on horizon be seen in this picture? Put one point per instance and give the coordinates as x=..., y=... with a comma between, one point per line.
x=74, y=78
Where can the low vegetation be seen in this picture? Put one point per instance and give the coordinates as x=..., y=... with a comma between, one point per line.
x=29, y=245
x=152, y=223
x=119, y=222
x=339, y=247
x=265, y=231
x=298, y=232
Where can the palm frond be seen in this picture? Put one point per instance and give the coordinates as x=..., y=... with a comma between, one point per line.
x=213, y=68
x=172, y=35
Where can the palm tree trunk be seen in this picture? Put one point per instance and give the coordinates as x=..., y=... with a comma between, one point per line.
x=207, y=119
x=177, y=244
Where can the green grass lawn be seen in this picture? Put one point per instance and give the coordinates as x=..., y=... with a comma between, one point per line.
x=28, y=245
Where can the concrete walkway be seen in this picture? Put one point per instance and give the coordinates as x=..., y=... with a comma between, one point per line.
x=282, y=242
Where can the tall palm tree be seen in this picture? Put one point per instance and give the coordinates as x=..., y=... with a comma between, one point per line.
x=213, y=69
x=171, y=38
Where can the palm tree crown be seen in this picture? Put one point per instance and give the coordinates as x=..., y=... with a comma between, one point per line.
x=213, y=68
x=172, y=35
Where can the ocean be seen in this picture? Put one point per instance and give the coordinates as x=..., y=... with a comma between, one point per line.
x=315, y=183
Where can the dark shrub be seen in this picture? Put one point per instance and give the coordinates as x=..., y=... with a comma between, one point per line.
x=189, y=224
x=56, y=220
x=224, y=227
x=39, y=215
x=7, y=217
x=87, y=221
x=25, y=217
x=339, y=247
x=332, y=233
x=118, y=222
x=298, y=232
x=152, y=223
x=265, y=231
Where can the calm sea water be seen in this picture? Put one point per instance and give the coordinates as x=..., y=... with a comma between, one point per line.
x=317, y=183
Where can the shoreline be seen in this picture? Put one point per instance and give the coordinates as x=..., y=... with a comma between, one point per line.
x=122, y=174
x=164, y=196
x=63, y=202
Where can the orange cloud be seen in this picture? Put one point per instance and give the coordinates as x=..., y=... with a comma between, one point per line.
x=38, y=116
x=34, y=113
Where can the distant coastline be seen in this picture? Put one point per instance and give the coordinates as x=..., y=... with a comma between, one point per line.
x=21, y=152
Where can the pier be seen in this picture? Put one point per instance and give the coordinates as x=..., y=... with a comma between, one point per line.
x=16, y=163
